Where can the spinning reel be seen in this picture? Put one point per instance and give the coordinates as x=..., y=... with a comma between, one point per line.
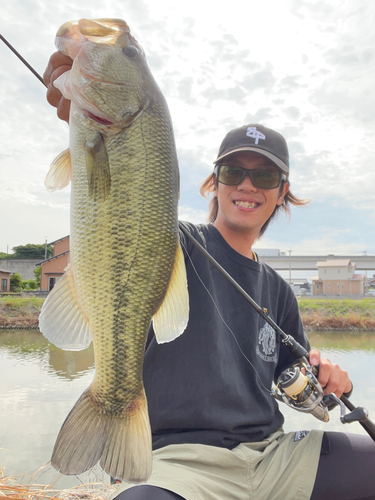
x=298, y=387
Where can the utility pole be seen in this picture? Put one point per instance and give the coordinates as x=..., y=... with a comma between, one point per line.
x=45, y=250
x=290, y=267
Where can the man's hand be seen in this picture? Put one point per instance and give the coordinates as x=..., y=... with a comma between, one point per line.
x=331, y=377
x=57, y=65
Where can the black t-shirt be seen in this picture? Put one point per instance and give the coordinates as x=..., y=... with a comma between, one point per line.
x=211, y=385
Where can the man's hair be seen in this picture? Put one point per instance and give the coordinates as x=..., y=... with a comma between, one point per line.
x=208, y=186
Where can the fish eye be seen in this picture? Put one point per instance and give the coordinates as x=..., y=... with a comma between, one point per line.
x=130, y=51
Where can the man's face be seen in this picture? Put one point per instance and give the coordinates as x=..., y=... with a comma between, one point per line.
x=245, y=208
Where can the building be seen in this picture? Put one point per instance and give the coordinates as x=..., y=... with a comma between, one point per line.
x=301, y=287
x=337, y=277
x=54, y=267
x=5, y=280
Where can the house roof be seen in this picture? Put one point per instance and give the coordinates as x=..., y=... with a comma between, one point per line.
x=4, y=271
x=56, y=241
x=51, y=258
x=358, y=277
x=335, y=263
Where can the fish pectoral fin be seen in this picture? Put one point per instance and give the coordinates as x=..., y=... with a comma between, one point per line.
x=98, y=171
x=122, y=443
x=172, y=317
x=60, y=172
x=62, y=321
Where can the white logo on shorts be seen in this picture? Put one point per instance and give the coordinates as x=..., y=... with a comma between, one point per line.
x=255, y=134
x=266, y=348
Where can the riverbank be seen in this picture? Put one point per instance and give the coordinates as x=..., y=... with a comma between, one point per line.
x=317, y=314
x=20, y=312
x=340, y=314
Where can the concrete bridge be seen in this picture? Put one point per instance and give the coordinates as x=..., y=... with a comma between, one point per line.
x=308, y=262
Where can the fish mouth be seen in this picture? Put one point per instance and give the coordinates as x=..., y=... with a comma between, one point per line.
x=97, y=119
x=246, y=204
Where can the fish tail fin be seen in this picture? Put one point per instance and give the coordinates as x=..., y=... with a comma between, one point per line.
x=82, y=437
x=122, y=442
x=128, y=451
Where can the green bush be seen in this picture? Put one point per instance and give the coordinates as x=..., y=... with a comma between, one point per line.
x=16, y=282
x=30, y=285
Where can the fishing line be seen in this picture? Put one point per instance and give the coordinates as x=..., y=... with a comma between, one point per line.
x=225, y=323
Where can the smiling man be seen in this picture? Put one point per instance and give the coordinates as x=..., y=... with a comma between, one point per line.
x=217, y=431
x=250, y=184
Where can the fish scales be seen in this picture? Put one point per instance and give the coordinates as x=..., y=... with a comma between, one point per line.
x=125, y=260
x=134, y=286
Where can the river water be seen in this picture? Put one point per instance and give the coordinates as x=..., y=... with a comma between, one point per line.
x=40, y=384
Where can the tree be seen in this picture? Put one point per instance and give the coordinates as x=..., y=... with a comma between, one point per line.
x=4, y=255
x=31, y=251
x=16, y=283
x=37, y=274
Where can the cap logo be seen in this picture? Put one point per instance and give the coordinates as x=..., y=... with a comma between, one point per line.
x=255, y=134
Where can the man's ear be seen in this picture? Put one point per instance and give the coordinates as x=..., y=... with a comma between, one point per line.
x=283, y=191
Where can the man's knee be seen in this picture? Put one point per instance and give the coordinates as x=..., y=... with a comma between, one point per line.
x=148, y=492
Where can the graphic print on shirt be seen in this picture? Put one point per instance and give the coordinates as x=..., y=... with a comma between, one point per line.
x=266, y=348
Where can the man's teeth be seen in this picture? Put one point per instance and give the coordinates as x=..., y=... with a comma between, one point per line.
x=245, y=204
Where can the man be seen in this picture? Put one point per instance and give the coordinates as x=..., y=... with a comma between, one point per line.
x=217, y=431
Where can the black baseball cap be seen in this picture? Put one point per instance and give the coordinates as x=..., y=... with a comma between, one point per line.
x=258, y=138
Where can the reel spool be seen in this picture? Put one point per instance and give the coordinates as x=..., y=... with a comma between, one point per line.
x=301, y=391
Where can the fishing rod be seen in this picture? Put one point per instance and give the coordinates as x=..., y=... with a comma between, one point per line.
x=22, y=59
x=298, y=388
x=310, y=397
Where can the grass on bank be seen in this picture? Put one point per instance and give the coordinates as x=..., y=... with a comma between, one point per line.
x=20, y=311
x=345, y=314
x=316, y=313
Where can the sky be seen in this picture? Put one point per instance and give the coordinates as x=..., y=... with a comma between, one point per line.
x=302, y=67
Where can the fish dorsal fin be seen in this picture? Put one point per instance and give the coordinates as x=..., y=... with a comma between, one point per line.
x=60, y=172
x=98, y=171
x=62, y=321
x=172, y=317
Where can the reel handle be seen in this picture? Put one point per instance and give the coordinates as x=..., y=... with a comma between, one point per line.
x=366, y=423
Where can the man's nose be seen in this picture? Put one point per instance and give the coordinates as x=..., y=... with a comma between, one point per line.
x=246, y=183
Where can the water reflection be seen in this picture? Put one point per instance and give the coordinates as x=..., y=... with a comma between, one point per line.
x=343, y=341
x=39, y=386
x=30, y=345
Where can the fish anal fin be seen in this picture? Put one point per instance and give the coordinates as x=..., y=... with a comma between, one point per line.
x=172, y=317
x=60, y=172
x=122, y=442
x=98, y=171
x=61, y=320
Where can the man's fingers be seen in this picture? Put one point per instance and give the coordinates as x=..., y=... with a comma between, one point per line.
x=333, y=379
x=57, y=60
x=58, y=64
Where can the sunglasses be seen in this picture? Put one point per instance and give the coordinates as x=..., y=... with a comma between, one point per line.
x=261, y=178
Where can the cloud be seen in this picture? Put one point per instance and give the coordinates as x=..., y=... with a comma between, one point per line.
x=189, y=214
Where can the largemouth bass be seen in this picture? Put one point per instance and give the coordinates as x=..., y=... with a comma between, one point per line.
x=126, y=265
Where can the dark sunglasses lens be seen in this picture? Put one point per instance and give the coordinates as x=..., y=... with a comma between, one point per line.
x=266, y=179
x=261, y=178
x=231, y=175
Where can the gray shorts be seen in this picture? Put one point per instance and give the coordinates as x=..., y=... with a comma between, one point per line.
x=282, y=467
